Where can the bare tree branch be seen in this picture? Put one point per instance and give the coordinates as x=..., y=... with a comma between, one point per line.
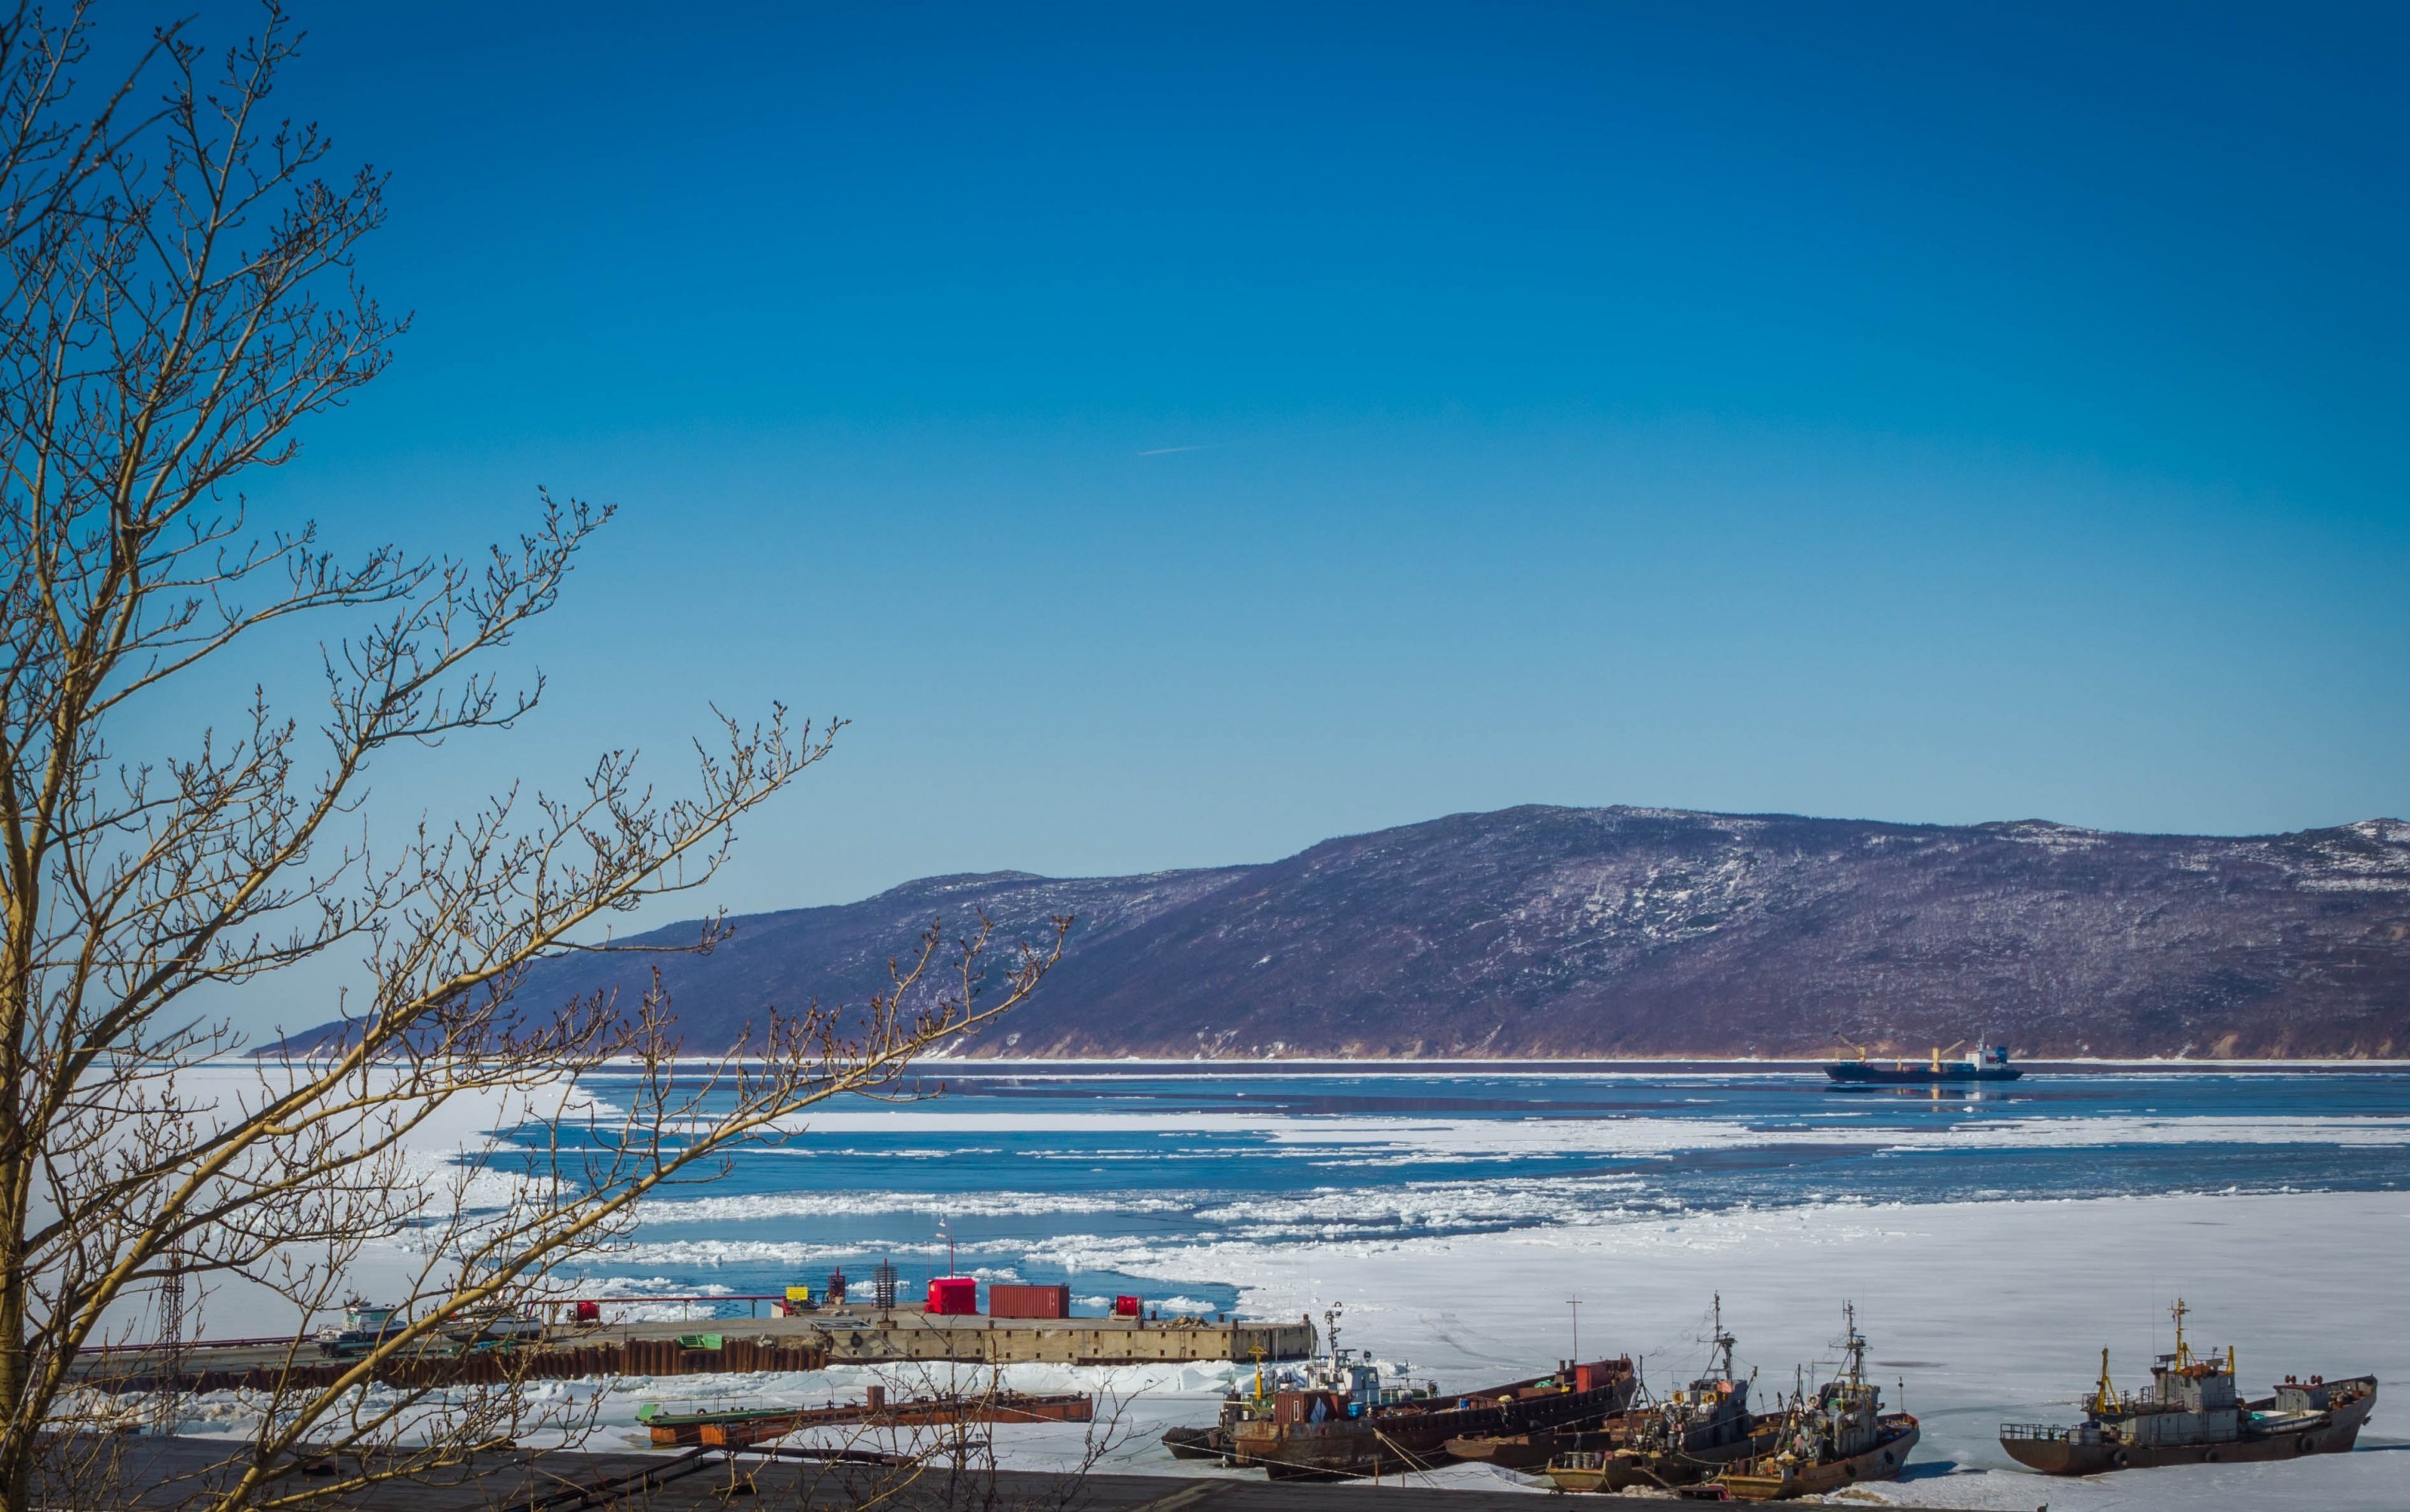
x=178, y=264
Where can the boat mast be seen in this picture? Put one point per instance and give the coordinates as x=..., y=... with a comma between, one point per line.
x=1723, y=1342
x=2184, y=1351
x=2104, y=1402
x=1855, y=1344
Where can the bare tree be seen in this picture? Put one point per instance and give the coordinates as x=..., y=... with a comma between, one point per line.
x=180, y=294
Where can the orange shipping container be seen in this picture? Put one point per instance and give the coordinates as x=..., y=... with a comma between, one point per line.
x=1006, y=1300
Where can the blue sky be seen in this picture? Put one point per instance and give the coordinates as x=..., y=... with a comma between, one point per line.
x=1175, y=435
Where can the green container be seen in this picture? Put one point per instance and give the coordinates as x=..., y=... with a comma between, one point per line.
x=701, y=1341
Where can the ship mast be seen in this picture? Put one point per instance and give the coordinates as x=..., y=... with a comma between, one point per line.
x=1855, y=1344
x=2184, y=1351
x=2105, y=1402
x=1723, y=1342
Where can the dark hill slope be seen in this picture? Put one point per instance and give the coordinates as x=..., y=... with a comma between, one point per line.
x=840, y=954
x=1634, y=932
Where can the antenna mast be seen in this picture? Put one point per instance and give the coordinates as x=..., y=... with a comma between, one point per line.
x=1854, y=1343
x=166, y=1400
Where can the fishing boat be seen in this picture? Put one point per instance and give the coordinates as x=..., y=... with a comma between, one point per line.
x=1338, y=1420
x=1839, y=1437
x=2192, y=1414
x=1681, y=1441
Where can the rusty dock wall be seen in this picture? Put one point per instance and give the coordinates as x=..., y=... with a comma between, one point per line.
x=562, y=1361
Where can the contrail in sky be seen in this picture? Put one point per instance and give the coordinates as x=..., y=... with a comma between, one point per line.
x=1201, y=446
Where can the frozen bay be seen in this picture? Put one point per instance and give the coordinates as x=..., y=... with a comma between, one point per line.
x=1992, y=1244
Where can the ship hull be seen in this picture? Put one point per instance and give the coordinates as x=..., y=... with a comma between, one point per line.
x=1884, y=1461
x=1403, y=1438
x=1633, y=1471
x=2335, y=1432
x=1857, y=1073
x=1530, y=1451
x=1197, y=1443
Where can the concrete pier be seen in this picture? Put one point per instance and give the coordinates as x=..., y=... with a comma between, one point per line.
x=746, y=1344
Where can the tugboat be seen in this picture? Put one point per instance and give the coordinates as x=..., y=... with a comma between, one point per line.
x=1839, y=1437
x=1989, y=1064
x=2190, y=1414
x=1339, y=1421
x=366, y=1325
x=1680, y=1442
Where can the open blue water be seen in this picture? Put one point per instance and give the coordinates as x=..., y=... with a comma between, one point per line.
x=1103, y=1178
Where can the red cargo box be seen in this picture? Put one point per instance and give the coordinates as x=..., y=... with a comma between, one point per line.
x=1127, y=1306
x=1004, y=1301
x=953, y=1296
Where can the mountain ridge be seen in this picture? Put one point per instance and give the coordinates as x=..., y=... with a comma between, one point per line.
x=1544, y=932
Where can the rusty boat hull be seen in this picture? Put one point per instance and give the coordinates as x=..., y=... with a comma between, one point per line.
x=1763, y=1480
x=1530, y=1452
x=1199, y=1444
x=1627, y=1470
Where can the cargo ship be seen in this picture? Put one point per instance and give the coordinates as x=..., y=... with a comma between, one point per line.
x=2191, y=1414
x=1336, y=1419
x=1839, y=1436
x=1988, y=1063
x=1680, y=1441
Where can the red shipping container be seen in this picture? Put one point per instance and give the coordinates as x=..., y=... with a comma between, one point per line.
x=1127, y=1307
x=1007, y=1301
x=953, y=1296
